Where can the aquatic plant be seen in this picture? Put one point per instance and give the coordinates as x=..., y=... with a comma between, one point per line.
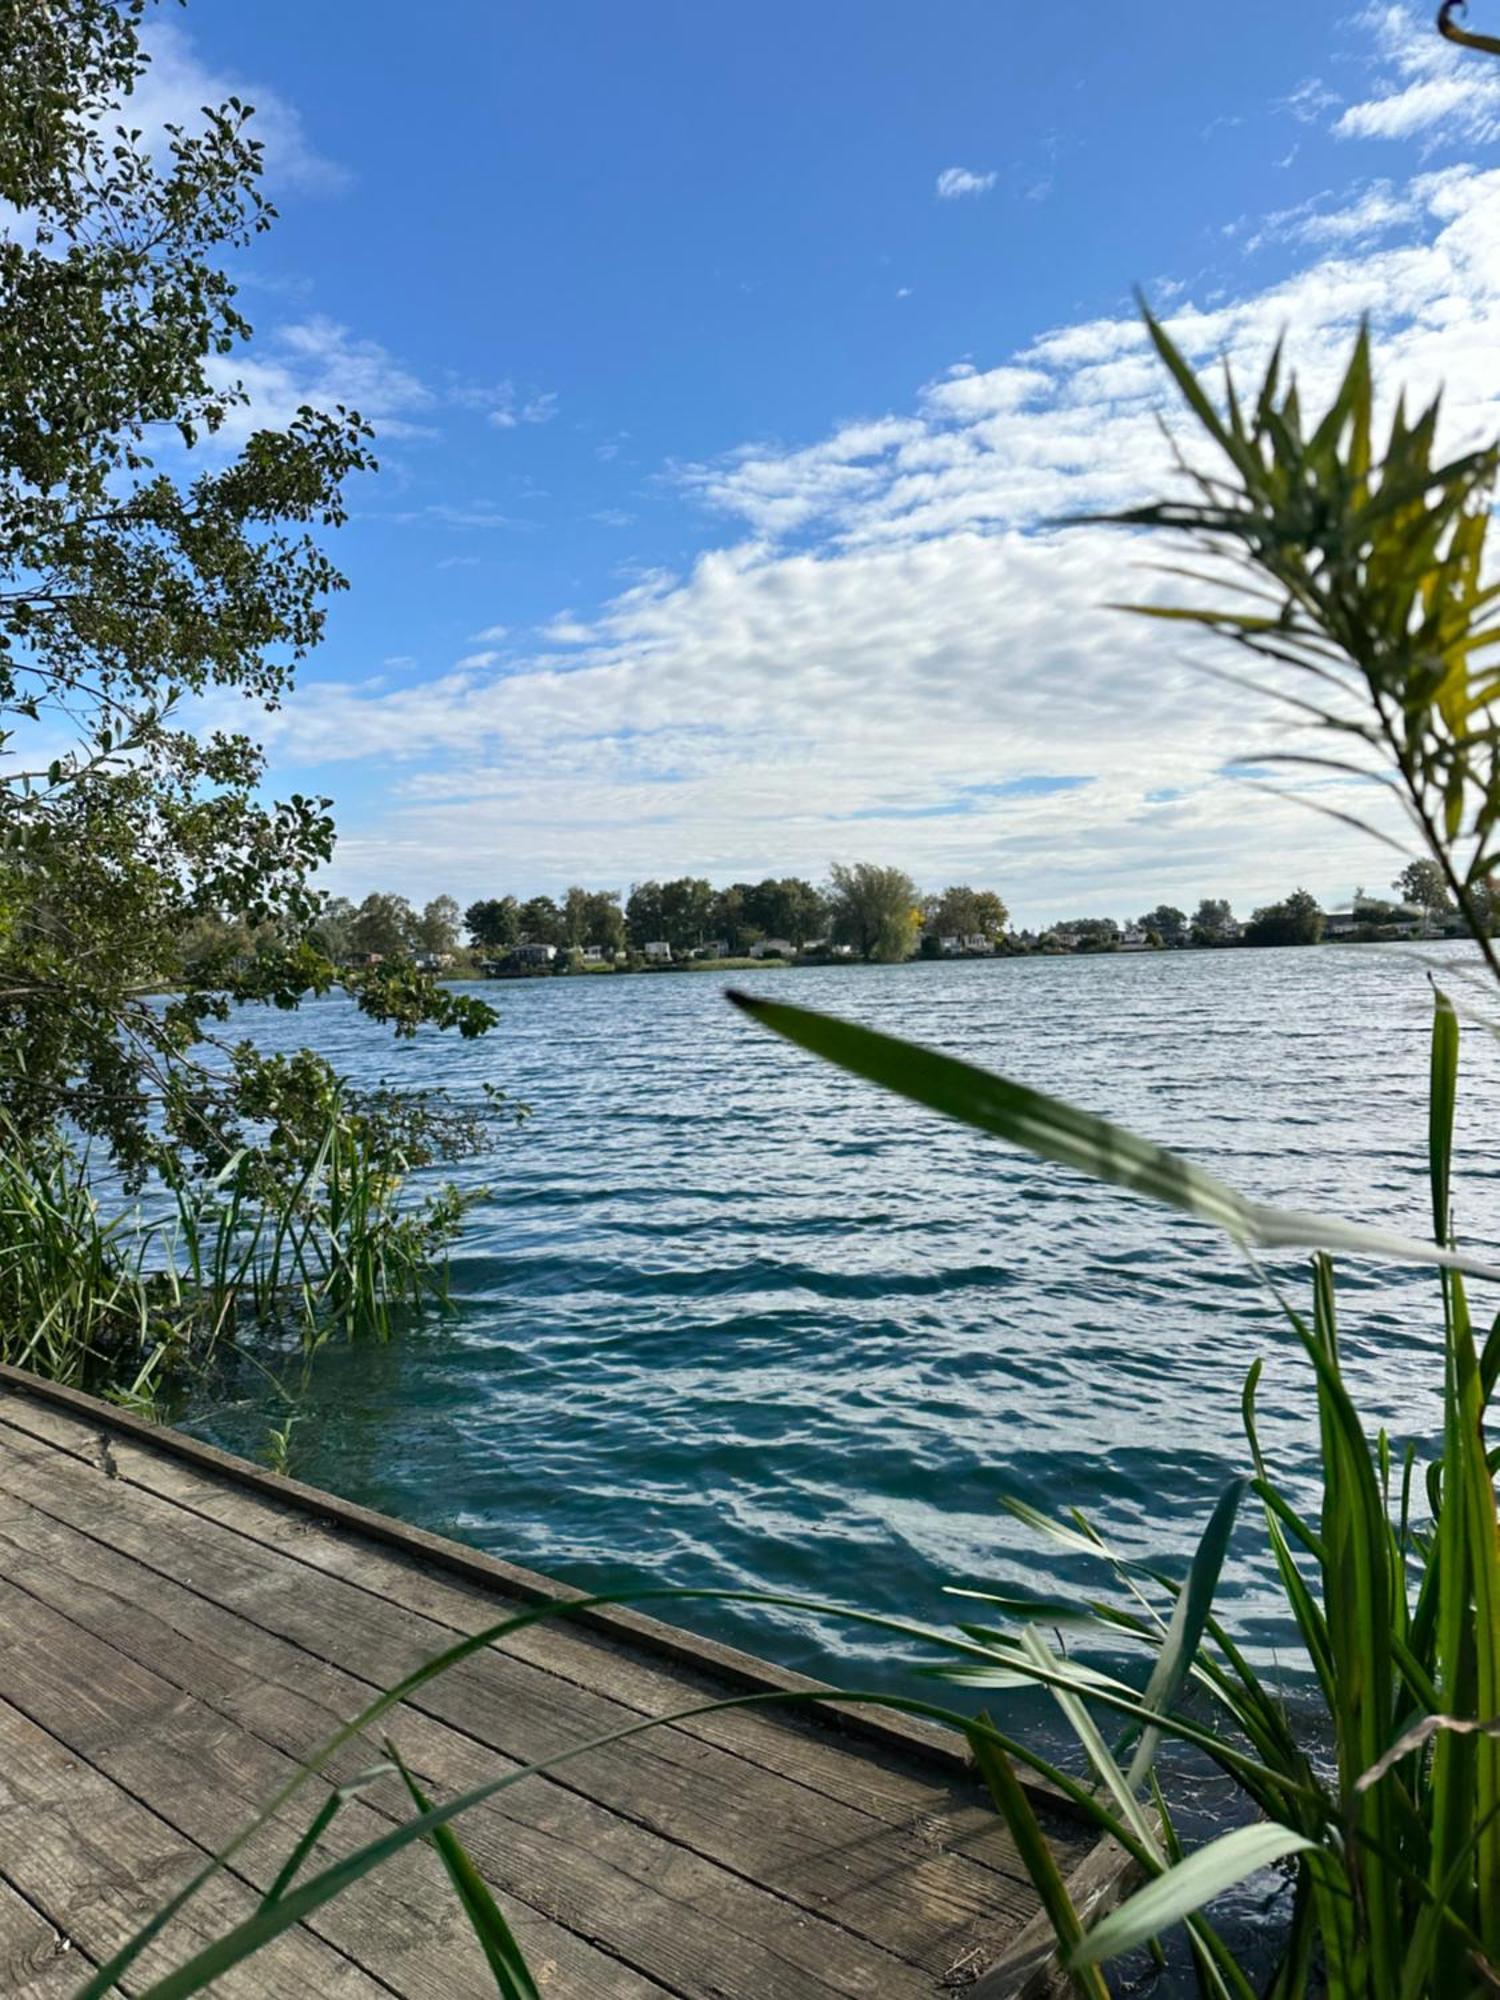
x=1357, y=587
x=1389, y=1802
x=291, y=1240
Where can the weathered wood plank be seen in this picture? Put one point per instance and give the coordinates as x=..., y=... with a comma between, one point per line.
x=32, y=1399
x=97, y=1864
x=651, y=1902
x=36, y=1961
x=193, y=1626
x=204, y=1777
x=811, y=1850
x=885, y=1780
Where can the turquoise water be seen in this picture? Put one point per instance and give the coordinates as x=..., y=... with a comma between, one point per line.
x=727, y=1317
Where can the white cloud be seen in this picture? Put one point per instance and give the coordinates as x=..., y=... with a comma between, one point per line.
x=317, y=361
x=955, y=182
x=510, y=409
x=1426, y=86
x=1308, y=102
x=893, y=655
x=492, y=635
x=1372, y=210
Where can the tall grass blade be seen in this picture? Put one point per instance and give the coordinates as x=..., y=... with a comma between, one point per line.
x=1078, y=1139
x=1041, y=1864
x=1190, y=1616
x=1171, y=1897
x=513, y=1977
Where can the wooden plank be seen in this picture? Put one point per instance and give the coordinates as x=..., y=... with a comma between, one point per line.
x=203, y=1778
x=892, y=1781
x=36, y=1961
x=830, y=1860
x=631, y=1627
x=898, y=1791
x=96, y=1864
x=655, y=1904
x=888, y=1781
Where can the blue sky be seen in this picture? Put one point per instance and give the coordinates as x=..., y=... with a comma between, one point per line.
x=725, y=362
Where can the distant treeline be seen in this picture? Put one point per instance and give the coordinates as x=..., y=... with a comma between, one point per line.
x=864, y=910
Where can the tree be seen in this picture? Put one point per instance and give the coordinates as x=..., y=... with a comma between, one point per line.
x=437, y=927
x=729, y=919
x=1421, y=883
x=1297, y=920
x=678, y=913
x=1212, y=920
x=786, y=908
x=333, y=930
x=1169, y=924
x=962, y=912
x=384, y=926
x=541, y=922
x=1094, y=933
x=146, y=562
x=592, y=917
x=493, y=924
x=874, y=909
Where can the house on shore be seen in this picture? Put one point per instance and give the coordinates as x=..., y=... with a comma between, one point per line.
x=1399, y=920
x=771, y=947
x=657, y=952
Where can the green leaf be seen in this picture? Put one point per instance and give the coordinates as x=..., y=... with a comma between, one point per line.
x=513, y=1978
x=1190, y=1614
x=1181, y=1890
x=1014, y=1808
x=1079, y=1139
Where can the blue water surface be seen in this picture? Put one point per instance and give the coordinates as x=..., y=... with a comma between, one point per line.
x=728, y=1317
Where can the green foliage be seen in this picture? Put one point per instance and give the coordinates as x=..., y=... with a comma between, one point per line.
x=156, y=546
x=300, y=1236
x=874, y=910
x=1212, y=920
x=678, y=913
x=1421, y=884
x=1296, y=920
x=494, y=924
x=1395, y=1829
x=594, y=917
x=1353, y=573
x=384, y=926
x=1169, y=924
x=1366, y=579
x=964, y=912
x=781, y=906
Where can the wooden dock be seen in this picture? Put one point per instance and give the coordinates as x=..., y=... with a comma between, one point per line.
x=179, y=1628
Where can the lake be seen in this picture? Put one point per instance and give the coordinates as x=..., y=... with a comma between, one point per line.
x=727, y=1317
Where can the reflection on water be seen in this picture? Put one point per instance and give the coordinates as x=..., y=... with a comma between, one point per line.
x=729, y=1317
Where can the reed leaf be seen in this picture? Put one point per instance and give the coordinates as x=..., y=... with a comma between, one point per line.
x=1079, y=1139
x=1206, y=1873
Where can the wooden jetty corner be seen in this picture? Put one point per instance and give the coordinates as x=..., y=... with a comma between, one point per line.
x=180, y=1628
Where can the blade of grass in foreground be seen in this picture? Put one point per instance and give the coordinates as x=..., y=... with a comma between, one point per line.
x=1046, y=1877
x=1181, y=1890
x=513, y=1978
x=1078, y=1139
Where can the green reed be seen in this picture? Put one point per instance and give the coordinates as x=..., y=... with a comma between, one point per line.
x=126, y=1304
